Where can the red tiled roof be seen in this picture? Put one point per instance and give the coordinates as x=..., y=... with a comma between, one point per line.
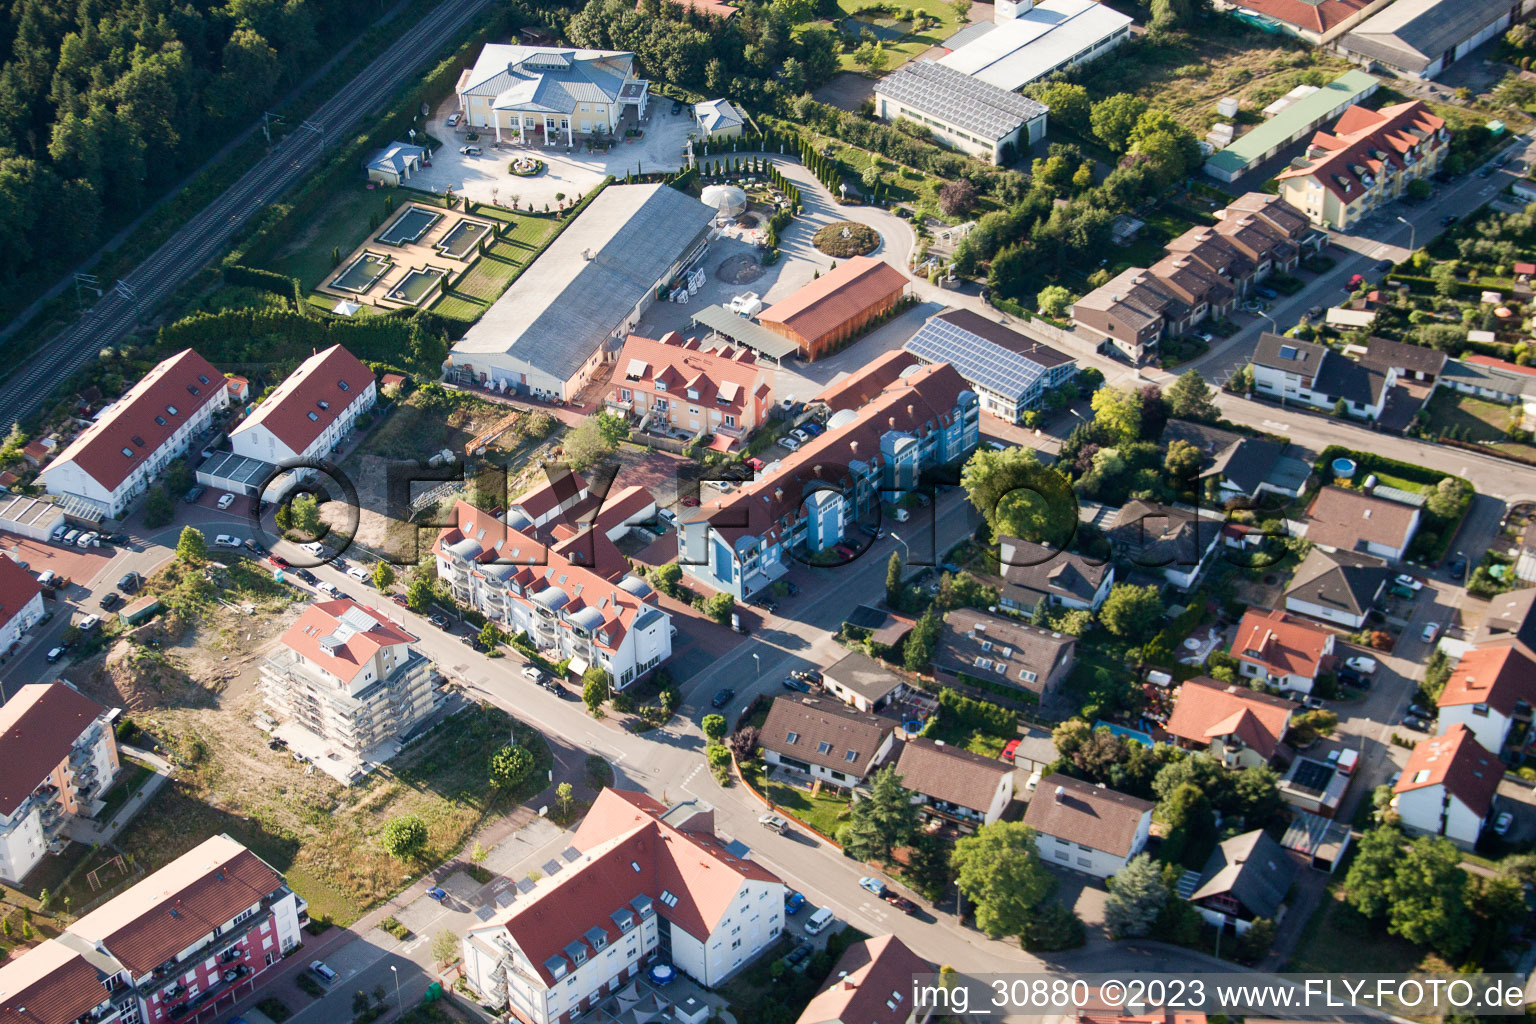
x=98, y=451
x=728, y=379
x=52, y=983
x=622, y=832
x=865, y=384
x=294, y=413
x=1205, y=709
x=38, y=726
x=1370, y=141
x=1097, y=1011
x=1458, y=762
x=179, y=904
x=559, y=486
x=1281, y=643
x=712, y=8
x=1500, y=364
x=323, y=620
x=1500, y=677
x=836, y=297
x=17, y=588
x=871, y=984
x=1315, y=17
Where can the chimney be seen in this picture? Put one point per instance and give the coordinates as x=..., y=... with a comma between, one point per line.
x=1061, y=793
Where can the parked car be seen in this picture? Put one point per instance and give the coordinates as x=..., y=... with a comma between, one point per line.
x=531, y=673
x=326, y=974
x=1350, y=677
x=789, y=442
x=1404, y=580
x=798, y=685
x=437, y=894
x=755, y=463
x=1419, y=711
x=1456, y=566
x=400, y=600
x=813, y=428
x=1264, y=291
x=793, y=901
x=1315, y=703
x=439, y=620
x=225, y=501
x=55, y=654
x=872, y=884
x=90, y=540
x=1362, y=664
x=901, y=903
x=1502, y=823
x=800, y=435
x=128, y=582
x=1401, y=592
x=307, y=576
x=877, y=532
x=225, y=540
x=111, y=599
x=1429, y=632
x=799, y=954
x=555, y=688
x=70, y=537
x=677, y=107
x=196, y=492
x=470, y=150
x=1416, y=724
x=89, y=623
x=453, y=120
x=773, y=823
x=722, y=697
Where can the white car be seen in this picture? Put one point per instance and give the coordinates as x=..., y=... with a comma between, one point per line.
x=470, y=150
x=529, y=672
x=1404, y=580
x=1362, y=664
x=225, y=540
x=453, y=119
x=226, y=501
x=89, y=623
x=1430, y=631
x=789, y=442
x=315, y=548
x=360, y=574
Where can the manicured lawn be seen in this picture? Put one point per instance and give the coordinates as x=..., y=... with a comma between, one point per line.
x=471, y=295
x=1339, y=939
x=133, y=775
x=821, y=811
x=908, y=46
x=344, y=224
x=953, y=733
x=1476, y=420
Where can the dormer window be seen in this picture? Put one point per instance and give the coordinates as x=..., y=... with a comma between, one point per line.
x=661, y=385
x=172, y=410
x=693, y=394
x=343, y=385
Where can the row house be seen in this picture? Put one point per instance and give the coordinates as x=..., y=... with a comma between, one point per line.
x=589, y=617
x=921, y=418
x=669, y=382
x=646, y=884
x=60, y=759
x=310, y=412
x=1369, y=159
x=182, y=945
x=117, y=457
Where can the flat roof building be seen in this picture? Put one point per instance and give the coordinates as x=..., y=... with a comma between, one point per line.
x=1420, y=38
x=1010, y=372
x=962, y=111
x=1042, y=39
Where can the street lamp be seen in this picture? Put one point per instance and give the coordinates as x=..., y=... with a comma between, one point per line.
x=906, y=551
x=757, y=667
x=1412, y=232
x=396, y=973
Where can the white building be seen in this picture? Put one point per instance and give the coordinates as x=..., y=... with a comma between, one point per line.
x=308, y=414
x=1029, y=41
x=648, y=883
x=573, y=598
x=961, y=111
x=1489, y=688
x=21, y=602
x=350, y=679
x=115, y=459
x=1338, y=587
x=546, y=94
x=826, y=739
x=1418, y=39
x=31, y=517
x=1447, y=786
x=60, y=758
x=1085, y=828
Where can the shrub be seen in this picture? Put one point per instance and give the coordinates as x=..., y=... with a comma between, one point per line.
x=861, y=239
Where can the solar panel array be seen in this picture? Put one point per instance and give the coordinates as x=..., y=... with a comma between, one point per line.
x=975, y=358
x=958, y=99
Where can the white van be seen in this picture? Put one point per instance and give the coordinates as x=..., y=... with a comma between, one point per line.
x=819, y=921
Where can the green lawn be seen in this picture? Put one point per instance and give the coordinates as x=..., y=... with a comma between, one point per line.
x=1339, y=939
x=909, y=45
x=471, y=295
x=821, y=811
x=133, y=775
x=953, y=733
x=343, y=225
x=1476, y=420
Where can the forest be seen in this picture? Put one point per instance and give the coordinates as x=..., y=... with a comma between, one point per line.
x=106, y=103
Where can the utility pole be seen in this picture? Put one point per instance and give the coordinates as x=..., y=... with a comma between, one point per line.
x=267, y=117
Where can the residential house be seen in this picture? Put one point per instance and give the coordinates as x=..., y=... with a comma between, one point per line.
x=838, y=305
x=184, y=944
x=1290, y=119
x=350, y=679
x=1408, y=362
x=1421, y=38
x=825, y=739
x=963, y=112
x=1344, y=519
x=1509, y=621
x=1490, y=689
x=1289, y=369
x=1010, y=372
x=1133, y=312
x=21, y=602
x=871, y=983
x=1032, y=573
x=1085, y=827
x=719, y=119
x=1317, y=23
x=1245, y=879
x=918, y=419
x=1496, y=379
x=954, y=784
x=1340, y=587
x=544, y=95
x=1316, y=782
x=1367, y=160
x=60, y=758
x=130, y=442
x=861, y=682
x=1178, y=541
x=1096, y=1009
x=394, y=164
x=724, y=392
x=983, y=650
x=1239, y=726
x=1282, y=650
x=1448, y=785
x=1242, y=466
x=573, y=605
x=307, y=415
x=644, y=882
x=1029, y=41
x=569, y=313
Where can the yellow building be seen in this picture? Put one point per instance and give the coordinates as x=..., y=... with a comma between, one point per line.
x=548, y=95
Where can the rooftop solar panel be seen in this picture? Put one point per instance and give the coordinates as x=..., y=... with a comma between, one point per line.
x=978, y=360
x=958, y=99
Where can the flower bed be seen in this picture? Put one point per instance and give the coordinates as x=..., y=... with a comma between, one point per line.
x=526, y=171
x=845, y=238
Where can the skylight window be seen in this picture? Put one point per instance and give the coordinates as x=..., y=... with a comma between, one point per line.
x=343, y=385
x=313, y=418
x=1288, y=352
x=853, y=755
x=823, y=747
x=793, y=737
x=172, y=410
x=201, y=379
x=128, y=452
x=668, y=897
x=160, y=420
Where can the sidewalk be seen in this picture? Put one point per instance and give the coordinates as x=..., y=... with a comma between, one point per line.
x=92, y=832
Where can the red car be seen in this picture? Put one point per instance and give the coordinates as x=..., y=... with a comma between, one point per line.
x=278, y=561
x=755, y=463
x=1356, y=281
x=691, y=500
x=845, y=551
x=400, y=600
x=901, y=903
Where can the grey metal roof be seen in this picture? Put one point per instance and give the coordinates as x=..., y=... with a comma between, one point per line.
x=743, y=331
x=713, y=115
x=954, y=97
x=566, y=304
x=397, y=157
x=982, y=360
x=546, y=78
x=1412, y=34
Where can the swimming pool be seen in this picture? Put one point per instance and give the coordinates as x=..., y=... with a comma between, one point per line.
x=416, y=286
x=362, y=273
x=414, y=222
x=462, y=238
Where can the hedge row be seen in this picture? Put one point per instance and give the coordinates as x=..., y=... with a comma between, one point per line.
x=978, y=714
x=1418, y=284
x=1368, y=462
x=265, y=280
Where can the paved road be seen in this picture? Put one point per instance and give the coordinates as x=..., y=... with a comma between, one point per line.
x=122, y=307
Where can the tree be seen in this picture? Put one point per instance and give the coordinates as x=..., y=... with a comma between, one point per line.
x=492, y=637
x=1183, y=461
x=1427, y=897
x=888, y=811
x=192, y=547
x=1419, y=190
x=418, y=594
x=1368, y=886
x=159, y=510
x=1019, y=497
x=1131, y=612
x=667, y=577
x=1190, y=822
x=594, y=689
x=1449, y=498
x=1053, y=300
x=1068, y=102
x=1255, y=795
x=1191, y=398
x=999, y=871
x=359, y=1002
x=589, y=443
x=957, y=197
x=383, y=576
x=719, y=608
x=928, y=865
x=1136, y=895
x=1253, y=945
x=445, y=948
x=404, y=837
x=304, y=516
x=1053, y=927
x=1113, y=118
x=510, y=766
x=921, y=643
x=871, y=56
x=1118, y=412
x=565, y=796
x=893, y=585
x=714, y=727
